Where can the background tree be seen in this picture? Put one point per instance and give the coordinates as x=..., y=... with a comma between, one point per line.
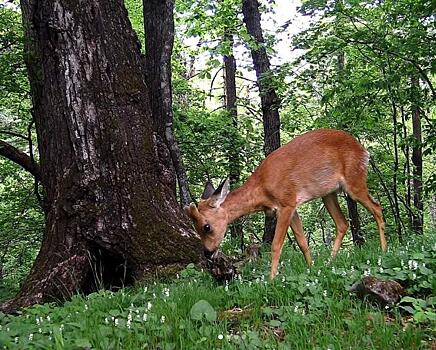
x=268, y=96
x=159, y=39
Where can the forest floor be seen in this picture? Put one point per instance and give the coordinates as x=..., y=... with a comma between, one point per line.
x=301, y=309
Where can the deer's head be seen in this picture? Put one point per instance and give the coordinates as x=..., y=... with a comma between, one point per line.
x=209, y=218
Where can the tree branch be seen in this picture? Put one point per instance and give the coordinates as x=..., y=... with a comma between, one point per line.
x=14, y=154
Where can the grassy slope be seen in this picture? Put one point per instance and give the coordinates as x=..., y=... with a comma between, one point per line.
x=301, y=309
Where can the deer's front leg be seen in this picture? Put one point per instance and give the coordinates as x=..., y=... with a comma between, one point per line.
x=283, y=221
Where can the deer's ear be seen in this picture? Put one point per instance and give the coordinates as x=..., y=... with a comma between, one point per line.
x=191, y=210
x=208, y=190
x=220, y=193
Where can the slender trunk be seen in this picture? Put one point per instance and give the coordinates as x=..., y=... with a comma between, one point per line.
x=110, y=219
x=407, y=177
x=353, y=213
x=159, y=30
x=231, y=107
x=433, y=211
x=417, y=222
x=268, y=96
x=396, y=160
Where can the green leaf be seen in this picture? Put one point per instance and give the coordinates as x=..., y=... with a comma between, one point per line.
x=203, y=308
x=83, y=343
x=275, y=323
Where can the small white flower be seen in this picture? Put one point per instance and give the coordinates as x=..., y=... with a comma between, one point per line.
x=144, y=317
x=381, y=269
x=106, y=320
x=154, y=295
x=379, y=261
x=129, y=323
x=368, y=262
x=414, y=276
x=39, y=330
x=86, y=307
x=283, y=279
x=61, y=328
x=38, y=321
x=324, y=293
x=116, y=322
x=162, y=319
x=296, y=308
x=149, y=305
x=145, y=289
x=220, y=336
x=30, y=336
x=48, y=318
x=16, y=340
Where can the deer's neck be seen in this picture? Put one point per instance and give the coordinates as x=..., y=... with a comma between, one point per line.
x=242, y=201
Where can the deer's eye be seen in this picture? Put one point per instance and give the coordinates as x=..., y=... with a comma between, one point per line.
x=206, y=228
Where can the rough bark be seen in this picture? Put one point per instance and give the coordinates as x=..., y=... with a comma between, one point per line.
x=418, y=216
x=231, y=108
x=109, y=217
x=159, y=30
x=22, y=159
x=268, y=96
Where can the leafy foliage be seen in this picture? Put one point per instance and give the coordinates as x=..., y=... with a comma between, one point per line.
x=301, y=308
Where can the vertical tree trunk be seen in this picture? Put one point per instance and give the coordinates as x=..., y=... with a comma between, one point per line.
x=231, y=108
x=418, y=216
x=353, y=212
x=268, y=96
x=159, y=32
x=109, y=217
x=407, y=177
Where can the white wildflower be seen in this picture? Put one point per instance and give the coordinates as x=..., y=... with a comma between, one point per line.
x=381, y=269
x=106, y=320
x=379, y=261
x=86, y=307
x=283, y=279
x=116, y=322
x=324, y=293
x=39, y=330
x=30, y=336
x=149, y=305
x=144, y=317
x=38, y=321
x=145, y=289
x=162, y=319
x=368, y=262
x=220, y=336
x=16, y=340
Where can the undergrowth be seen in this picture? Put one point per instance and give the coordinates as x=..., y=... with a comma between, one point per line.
x=301, y=309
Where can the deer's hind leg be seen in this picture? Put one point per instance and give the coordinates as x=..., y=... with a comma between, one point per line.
x=341, y=223
x=359, y=192
x=297, y=229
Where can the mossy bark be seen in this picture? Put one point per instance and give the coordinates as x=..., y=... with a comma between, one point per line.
x=110, y=218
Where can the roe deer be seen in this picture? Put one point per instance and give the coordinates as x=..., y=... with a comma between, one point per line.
x=316, y=164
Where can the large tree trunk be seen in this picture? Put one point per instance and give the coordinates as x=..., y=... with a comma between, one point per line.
x=418, y=216
x=159, y=31
x=109, y=217
x=268, y=96
x=231, y=108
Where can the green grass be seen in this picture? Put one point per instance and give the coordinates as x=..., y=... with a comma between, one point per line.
x=301, y=309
